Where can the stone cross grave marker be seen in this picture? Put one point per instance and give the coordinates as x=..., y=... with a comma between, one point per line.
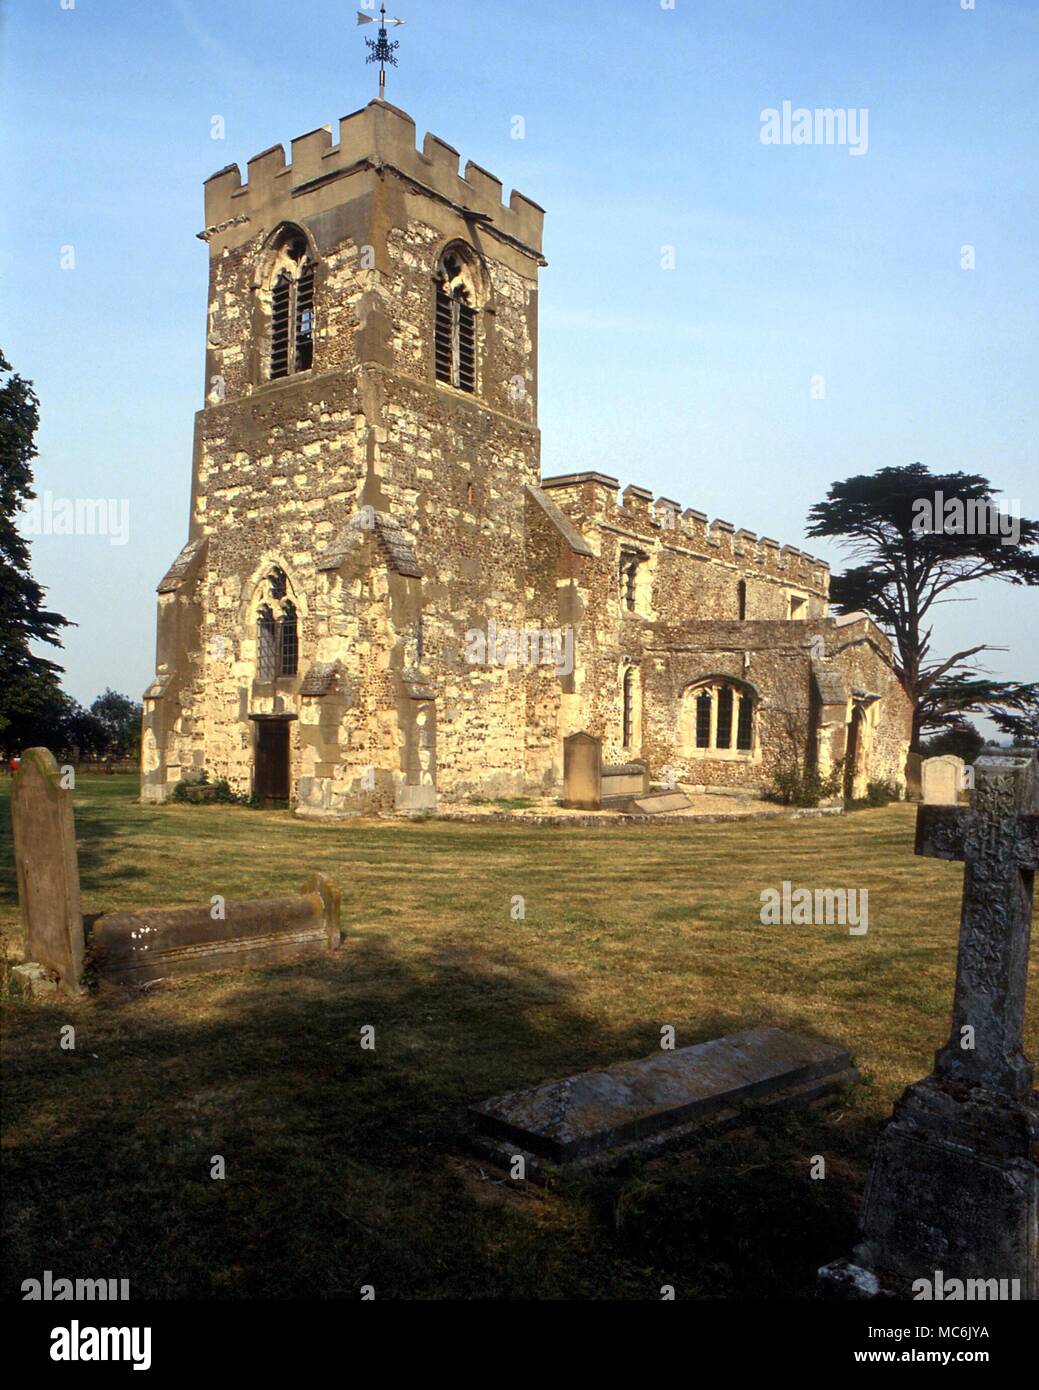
x=997, y=838
x=955, y=1185
x=942, y=780
x=47, y=868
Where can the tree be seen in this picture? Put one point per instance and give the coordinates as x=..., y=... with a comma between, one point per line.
x=1022, y=723
x=30, y=698
x=895, y=523
x=120, y=720
x=965, y=743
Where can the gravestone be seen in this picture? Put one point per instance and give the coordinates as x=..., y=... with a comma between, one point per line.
x=598, y=1118
x=582, y=771
x=942, y=780
x=914, y=777
x=47, y=868
x=955, y=1185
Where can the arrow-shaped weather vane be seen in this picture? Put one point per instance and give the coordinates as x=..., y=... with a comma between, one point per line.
x=382, y=49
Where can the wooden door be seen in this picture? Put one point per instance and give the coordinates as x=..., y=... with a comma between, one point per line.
x=271, y=778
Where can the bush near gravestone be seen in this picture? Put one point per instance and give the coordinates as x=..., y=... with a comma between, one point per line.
x=792, y=784
x=198, y=790
x=880, y=793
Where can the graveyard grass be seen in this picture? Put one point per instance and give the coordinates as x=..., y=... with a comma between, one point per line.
x=347, y=1167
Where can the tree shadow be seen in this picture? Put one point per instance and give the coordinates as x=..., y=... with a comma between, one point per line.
x=348, y=1166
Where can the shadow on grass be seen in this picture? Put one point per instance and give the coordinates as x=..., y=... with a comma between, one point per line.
x=347, y=1167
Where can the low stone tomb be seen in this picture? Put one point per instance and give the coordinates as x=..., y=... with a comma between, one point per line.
x=598, y=1118
x=623, y=781
x=163, y=942
x=149, y=943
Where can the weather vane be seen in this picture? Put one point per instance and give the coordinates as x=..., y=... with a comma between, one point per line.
x=382, y=50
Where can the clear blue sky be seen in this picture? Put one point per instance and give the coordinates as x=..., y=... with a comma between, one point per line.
x=642, y=131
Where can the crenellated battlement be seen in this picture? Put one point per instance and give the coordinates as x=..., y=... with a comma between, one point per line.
x=379, y=137
x=594, y=497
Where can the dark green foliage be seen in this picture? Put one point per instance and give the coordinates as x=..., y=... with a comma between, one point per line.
x=903, y=570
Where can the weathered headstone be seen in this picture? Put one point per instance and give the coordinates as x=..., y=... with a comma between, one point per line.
x=600, y=1117
x=955, y=1183
x=942, y=780
x=47, y=868
x=582, y=771
x=914, y=777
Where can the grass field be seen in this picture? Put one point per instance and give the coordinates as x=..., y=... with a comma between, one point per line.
x=346, y=1167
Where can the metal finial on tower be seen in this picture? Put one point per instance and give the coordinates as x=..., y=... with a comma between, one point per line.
x=382, y=49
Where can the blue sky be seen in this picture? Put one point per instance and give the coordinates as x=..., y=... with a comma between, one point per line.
x=642, y=132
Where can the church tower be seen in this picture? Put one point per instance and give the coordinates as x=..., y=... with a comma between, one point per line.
x=357, y=507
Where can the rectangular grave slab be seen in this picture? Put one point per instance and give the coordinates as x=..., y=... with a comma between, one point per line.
x=659, y=803
x=602, y=1115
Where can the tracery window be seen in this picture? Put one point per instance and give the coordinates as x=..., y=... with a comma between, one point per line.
x=277, y=631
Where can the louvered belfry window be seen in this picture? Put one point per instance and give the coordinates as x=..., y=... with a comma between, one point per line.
x=292, y=313
x=281, y=299
x=454, y=347
x=305, y=318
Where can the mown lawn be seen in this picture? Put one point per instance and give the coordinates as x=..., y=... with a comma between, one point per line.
x=348, y=1167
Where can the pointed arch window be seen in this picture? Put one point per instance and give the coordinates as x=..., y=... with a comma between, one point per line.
x=292, y=309
x=277, y=631
x=454, y=331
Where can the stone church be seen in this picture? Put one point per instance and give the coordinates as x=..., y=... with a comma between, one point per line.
x=382, y=605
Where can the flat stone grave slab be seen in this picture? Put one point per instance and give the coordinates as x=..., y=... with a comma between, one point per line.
x=600, y=1117
x=657, y=803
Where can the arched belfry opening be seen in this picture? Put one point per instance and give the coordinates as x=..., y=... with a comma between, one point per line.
x=458, y=284
x=289, y=287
